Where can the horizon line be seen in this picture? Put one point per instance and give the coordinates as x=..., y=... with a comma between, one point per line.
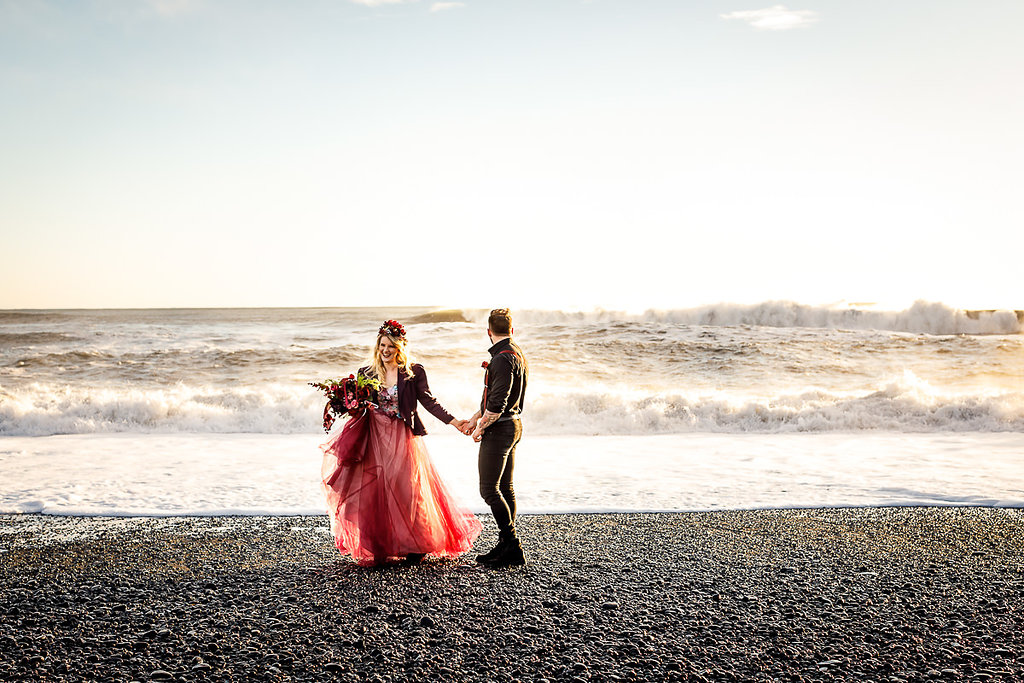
x=839, y=305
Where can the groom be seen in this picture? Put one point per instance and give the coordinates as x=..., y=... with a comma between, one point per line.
x=498, y=430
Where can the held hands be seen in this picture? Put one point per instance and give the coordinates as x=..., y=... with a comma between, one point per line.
x=471, y=426
x=481, y=424
x=475, y=425
x=468, y=427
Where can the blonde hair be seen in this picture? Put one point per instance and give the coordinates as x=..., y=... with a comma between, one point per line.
x=401, y=356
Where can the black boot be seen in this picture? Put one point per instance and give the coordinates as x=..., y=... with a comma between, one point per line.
x=496, y=550
x=509, y=555
x=413, y=559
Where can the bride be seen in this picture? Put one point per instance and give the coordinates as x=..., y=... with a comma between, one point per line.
x=384, y=496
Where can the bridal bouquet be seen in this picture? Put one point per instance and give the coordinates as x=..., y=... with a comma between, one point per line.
x=346, y=396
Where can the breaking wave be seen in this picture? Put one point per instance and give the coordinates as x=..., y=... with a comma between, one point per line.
x=921, y=318
x=894, y=409
x=903, y=405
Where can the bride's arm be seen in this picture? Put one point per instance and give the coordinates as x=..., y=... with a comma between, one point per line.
x=427, y=399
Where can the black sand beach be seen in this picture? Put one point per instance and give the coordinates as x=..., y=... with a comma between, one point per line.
x=886, y=594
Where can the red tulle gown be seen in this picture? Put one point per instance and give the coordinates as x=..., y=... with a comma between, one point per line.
x=384, y=497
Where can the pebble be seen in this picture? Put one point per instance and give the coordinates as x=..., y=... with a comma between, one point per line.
x=715, y=597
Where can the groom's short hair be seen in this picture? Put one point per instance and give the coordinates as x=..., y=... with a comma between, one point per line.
x=500, y=322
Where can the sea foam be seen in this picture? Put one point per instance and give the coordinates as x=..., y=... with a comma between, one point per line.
x=922, y=317
x=899, y=404
x=244, y=474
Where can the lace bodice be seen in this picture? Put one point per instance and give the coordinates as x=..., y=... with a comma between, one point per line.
x=387, y=400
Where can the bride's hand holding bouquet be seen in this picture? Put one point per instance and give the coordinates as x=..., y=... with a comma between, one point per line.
x=350, y=395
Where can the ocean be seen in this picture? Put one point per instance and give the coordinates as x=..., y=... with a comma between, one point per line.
x=208, y=411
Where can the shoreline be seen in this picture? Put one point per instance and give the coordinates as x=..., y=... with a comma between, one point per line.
x=814, y=594
x=215, y=474
x=479, y=512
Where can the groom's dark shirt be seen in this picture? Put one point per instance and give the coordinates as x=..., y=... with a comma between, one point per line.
x=506, y=381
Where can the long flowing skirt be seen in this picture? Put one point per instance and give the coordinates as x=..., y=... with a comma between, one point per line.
x=385, y=498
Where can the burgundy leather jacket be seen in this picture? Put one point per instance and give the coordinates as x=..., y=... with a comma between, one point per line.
x=411, y=391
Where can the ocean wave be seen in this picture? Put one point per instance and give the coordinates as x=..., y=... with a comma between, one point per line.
x=887, y=410
x=922, y=317
x=442, y=316
x=39, y=410
x=904, y=404
x=162, y=363
x=18, y=339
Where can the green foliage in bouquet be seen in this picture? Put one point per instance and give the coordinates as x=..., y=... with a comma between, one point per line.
x=347, y=396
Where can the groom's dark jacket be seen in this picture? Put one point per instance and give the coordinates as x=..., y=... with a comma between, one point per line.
x=411, y=391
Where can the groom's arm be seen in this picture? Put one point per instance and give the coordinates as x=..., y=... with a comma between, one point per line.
x=499, y=388
x=486, y=421
x=498, y=391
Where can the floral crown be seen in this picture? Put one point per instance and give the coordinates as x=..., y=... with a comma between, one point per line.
x=392, y=328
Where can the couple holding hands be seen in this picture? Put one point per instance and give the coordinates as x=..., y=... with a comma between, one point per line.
x=385, y=499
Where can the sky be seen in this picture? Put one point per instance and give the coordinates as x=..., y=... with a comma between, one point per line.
x=610, y=154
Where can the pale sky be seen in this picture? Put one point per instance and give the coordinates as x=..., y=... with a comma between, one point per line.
x=532, y=153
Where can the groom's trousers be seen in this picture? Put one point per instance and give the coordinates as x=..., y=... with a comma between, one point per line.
x=497, y=463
